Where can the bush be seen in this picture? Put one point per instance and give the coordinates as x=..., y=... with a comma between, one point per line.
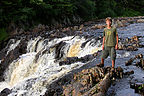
x=3, y=34
x=85, y=9
x=27, y=13
x=131, y=12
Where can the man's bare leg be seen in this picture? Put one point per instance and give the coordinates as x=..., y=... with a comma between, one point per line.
x=113, y=63
x=102, y=61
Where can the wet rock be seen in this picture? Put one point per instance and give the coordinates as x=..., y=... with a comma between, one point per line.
x=127, y=39
x=94, y=27
x=86, y=58
x=81, y=27
x=129, y=72
x=75, y=28
x=98, y=26
x=141, y=46
x=140, y=20
x=38, y=28
x=91, y=82
x=131, y=48
x=53, y=90
x=101, y=26
x=129, y=62
x=130, y=44
x=116, y=73
x=124, y=21
x=119, y=72
x=120, y=23
x=139, y=63
x=70, y=60
x=81, y=32
x=135, y=38
x=132, y=85
x=59, y=52
x=139, y=56
x=66, y=29
x=83, y=81
x=121, y=46
x=105, y=84
x=83, y=44
x=5, y=92
x=138, y=87
x=95, y=54
x=88, y=23
x=99, y=94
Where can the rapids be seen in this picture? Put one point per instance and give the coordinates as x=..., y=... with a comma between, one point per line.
x=31, y=72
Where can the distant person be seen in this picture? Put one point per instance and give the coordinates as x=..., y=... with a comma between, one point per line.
x=110, y=43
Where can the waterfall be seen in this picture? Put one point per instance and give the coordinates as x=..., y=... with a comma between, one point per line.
x=13, y=46
x=29, y=74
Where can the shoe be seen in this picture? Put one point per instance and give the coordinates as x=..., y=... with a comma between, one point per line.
x=100, y=65
x=112, y=69
x=113, y=74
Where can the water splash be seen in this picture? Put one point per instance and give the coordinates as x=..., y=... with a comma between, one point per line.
x=14, y=45
x=32, y=72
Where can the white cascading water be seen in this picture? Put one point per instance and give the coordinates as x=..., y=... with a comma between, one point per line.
x=31, y=72
x=13, y=46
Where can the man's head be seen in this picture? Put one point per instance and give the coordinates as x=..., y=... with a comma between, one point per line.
x=108, y=21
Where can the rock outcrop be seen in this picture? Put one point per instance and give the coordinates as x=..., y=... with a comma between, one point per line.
x=130, y=44
x=138, y=87
x=92, y=82
x=139, y=63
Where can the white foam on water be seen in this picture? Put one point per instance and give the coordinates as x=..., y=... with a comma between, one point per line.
x=77, y=51
x=13, y=46
x=32, y=72
x=20, y=69
x=90, y=49
x=125, y=54
x=32, y=44
x=4, y=85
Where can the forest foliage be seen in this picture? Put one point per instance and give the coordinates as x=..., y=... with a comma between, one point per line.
x=27, y=13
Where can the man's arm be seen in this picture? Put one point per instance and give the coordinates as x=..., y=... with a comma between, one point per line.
x=103, y=43
x=116, y=46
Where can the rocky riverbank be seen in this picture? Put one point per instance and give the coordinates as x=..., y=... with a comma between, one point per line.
x=84, y=37
x=61, y=31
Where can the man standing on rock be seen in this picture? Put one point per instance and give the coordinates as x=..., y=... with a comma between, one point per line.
x=110, y=43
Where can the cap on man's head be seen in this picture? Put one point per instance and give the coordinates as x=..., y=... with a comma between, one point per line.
x=109, y=18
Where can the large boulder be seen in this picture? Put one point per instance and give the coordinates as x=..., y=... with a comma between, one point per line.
x=92, y=81
x=5, y=92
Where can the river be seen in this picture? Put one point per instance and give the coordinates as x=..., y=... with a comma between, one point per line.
x=30, y=73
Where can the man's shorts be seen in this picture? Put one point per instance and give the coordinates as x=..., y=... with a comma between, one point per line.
x=109, y=51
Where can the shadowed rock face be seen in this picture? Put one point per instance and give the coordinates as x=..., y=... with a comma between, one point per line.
x=70, y=60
